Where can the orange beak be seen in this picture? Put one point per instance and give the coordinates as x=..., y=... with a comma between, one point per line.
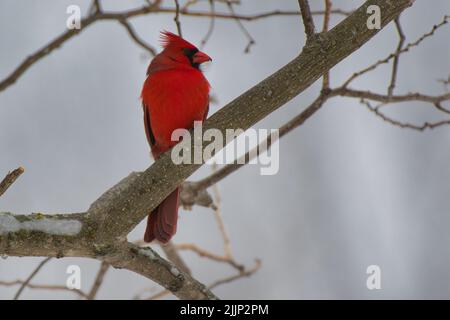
x=200, y=57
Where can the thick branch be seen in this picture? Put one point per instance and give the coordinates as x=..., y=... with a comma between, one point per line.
x=73, y=235
x=149, y=264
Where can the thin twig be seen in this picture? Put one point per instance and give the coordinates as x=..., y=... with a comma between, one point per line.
x=325, y=27
x=245, y=273
x=135, y=37
x=397, y=56
x=415, y=96
x=245, y=17
x=158, y=295
x=98, y=280
x=43, y=287
x=153, y=8
x=241, y=26
x=177, y=17
x=219, y=220
x=405, y=125
x=65, y=36
x=209, y=255
x=393, y=55
x=30, y=277
x=95, y=7
x=211, y=24
x=308, y=20
x=9, y=179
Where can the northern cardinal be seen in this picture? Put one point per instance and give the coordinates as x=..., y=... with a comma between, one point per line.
x=174, y=95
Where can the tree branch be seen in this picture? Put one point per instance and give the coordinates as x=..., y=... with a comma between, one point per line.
x=397, y=56
x=10, y=178
x=407, y=125
x=98, y=280
x=98, y=15
x=347, y=92
x=136, y=38
x=43, y=287
x=325, y=27
x=149, y=264
x=30, y=277
x=177, y=18
x=74, y=235
x=308, y=20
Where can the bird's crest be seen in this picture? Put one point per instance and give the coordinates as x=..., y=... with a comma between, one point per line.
x=169, y=39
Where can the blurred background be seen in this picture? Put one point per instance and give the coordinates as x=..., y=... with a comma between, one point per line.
x=352, y=190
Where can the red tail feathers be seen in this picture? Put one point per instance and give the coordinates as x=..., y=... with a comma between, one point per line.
x=162, y=222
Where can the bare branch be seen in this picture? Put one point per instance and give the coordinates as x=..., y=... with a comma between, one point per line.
x=393, y=55
x=148, y=263
x=212, y=23
x=308, y=20
x=397, y=56
x=43, y=287
x=241, y=26
x=220, y=223
x=242, y=274
x=100, y=15
x=407, y=125
x=158, y=295
x=243, y=17
x=10, y=178
x=326, y=25
x=210, y=255
x=177, y=17
x=383, y=100
x=76, y=235
x=136, y=38
x=192, y=194
x=65, y=36
x=95, y=7
x=98, y=280
x=30, y=277
x=347, y=92
x=246, y=273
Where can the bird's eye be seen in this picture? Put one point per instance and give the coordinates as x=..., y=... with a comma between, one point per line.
x=189, y=52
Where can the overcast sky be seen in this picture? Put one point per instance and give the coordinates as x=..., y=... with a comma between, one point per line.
x=352, y=190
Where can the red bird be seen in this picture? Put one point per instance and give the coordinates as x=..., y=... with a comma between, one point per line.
x=174, y=95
